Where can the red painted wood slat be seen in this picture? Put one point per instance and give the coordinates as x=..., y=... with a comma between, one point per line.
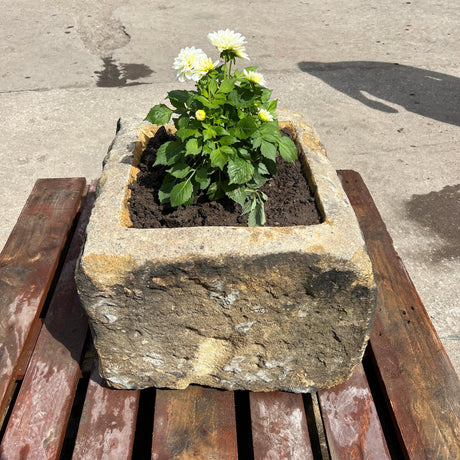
x=194, y=423
x=108, y=422
x=351, y=421
x=279, y=426
x=420, y=383
x=38, y=421
x=27, y=266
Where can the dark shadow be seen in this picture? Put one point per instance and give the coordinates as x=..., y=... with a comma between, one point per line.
x=430, y=94
x=117, y=74
x=438, y=212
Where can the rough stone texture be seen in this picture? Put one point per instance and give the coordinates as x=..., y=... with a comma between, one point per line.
x=268, y=308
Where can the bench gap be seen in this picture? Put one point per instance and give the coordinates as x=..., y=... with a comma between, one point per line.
x=143, y=438
x=316, y=431
x=74, y=418
x=243, y=425
x=9, y=408
x=387, y=420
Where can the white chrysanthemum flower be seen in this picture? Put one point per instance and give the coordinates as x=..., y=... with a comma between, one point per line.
x=255, y=77
x=185, y=62
x=228, y=40
x=265, y=115
x=203, y=65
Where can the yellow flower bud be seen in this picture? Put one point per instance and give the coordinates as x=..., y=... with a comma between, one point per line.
x=200, y=115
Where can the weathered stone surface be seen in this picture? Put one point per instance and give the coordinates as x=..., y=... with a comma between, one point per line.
x=285, y=308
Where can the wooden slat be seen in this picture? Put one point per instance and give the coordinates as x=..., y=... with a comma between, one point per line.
x=279, y=426
x=420, y=383
x=39, y=419
x=351, y=421
x=27, y=266
x=194, y=423
x=108, y=422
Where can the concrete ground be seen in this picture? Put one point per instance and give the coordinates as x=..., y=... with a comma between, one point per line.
x=380, y=81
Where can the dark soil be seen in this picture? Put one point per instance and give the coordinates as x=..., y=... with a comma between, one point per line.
x=290, y=201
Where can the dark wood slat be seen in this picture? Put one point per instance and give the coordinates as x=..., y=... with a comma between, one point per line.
x=279, y=426
x=194, y=423
x=39, y=419
x=351, y=421
x=419, y=381
x=108, y=422
x=27, y=266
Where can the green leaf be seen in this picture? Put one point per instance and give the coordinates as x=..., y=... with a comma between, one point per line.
x=258, y=180
x=164, y=193
x=270, y=128
x=288, y=149
x=218, y=158
x=239, y=171
x=180, y=170
x=262, y=169
x=227, y=85
x=206, y=102
x=169, y=153
x=159, y=115
x=202, y=176
x=178, y=98
x=192, y=147
x=248, y=205
x=268, y=150
x=228, y=140
x=209, y=133
x=220, y=131
x=257, y=215
x=185, y=133
x=213, y=85
x=271, y=106
x=181, y=193
x=266, y=94
x=238, y=194
x=245, y=128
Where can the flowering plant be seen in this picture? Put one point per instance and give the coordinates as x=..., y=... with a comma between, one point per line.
x=227, y=137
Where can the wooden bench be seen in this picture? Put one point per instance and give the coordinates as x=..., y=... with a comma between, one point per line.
x=403, y=402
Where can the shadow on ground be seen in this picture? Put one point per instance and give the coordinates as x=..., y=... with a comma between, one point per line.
x=438, y=212
x=430, y=94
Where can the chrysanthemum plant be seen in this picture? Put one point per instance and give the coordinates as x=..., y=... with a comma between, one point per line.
x=227, y=137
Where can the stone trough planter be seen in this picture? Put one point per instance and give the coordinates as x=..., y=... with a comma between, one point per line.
x=285, y=308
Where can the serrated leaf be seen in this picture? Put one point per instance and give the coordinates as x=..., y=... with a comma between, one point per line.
x=239, y=171
x=245, y=128
x=266, y=94
x=271, y=106
x=192, y=147
x=181, y=193
x=228, y=140
x=262, y=169
x=258, y=180
x=220, y=131
x=159, y=115
x=238, y=194
x=257, y=215
x=218, y=158
x=227, y=85
x=288, y=149
x=180, y=170
x=270, y=128
x=185, y=133
x=268, y=150
x=169, y=153
x=165, y=190
x=248, y=205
